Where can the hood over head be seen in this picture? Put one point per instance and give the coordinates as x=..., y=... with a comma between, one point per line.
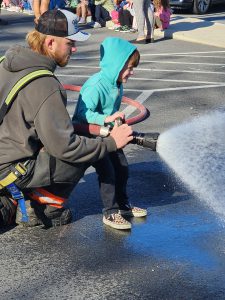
x=19, y=58
x=114, y=53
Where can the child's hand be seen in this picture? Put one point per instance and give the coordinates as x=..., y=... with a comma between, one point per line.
x=113, y=117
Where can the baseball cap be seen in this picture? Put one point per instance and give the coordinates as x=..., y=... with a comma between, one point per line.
x=62, y=23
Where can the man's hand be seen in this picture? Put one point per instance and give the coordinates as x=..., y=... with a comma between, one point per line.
x=122, y=135
x=113, y=117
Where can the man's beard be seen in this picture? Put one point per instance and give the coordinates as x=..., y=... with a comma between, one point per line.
x=61, y=61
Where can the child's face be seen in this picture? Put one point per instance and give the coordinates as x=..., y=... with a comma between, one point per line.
x=125, y=73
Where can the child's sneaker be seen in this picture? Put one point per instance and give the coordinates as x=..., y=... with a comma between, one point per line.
x=116, y=221
x=133, y=30
x=118, y=28
x=96, y=25
x=125, y=29
x=113, y=27
x=134, y=211
x=14, y=8
x=109, y=24
x=82, y=21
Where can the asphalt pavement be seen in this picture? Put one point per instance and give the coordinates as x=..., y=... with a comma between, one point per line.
x=178, y=251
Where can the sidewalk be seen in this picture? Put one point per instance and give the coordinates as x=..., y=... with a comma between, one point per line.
x=194, y=30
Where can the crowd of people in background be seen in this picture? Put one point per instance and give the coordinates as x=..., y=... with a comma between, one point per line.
x=141, y=16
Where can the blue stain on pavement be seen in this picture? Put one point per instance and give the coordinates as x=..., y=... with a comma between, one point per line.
x=180, y=238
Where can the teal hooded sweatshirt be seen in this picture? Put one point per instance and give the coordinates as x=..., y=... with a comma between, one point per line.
x=101, y=96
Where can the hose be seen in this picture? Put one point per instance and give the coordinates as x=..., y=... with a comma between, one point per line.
x=147, y=140
x=94, y=129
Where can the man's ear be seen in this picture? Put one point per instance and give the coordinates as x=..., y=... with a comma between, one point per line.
x=49, y=41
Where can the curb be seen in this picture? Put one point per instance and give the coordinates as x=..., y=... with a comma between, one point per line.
x=194, y=30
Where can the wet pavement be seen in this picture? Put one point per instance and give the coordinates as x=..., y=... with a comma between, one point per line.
x=177, y=252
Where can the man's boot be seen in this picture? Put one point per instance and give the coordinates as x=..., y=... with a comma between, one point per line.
x=41, y=214
x=7, y=211
x=35, y=213
x=57, y=216
x=44, y=208
x=50, y=208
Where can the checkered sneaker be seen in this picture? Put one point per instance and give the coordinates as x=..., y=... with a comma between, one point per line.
x=134, y=212
x=116, y=221
x=125, y=29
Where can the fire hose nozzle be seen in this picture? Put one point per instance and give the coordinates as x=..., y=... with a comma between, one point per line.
x=146, y=140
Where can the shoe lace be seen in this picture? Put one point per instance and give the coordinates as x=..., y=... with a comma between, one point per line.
x=118, y=218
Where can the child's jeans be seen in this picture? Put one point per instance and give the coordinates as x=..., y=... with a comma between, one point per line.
x=112, y=173
x=101, y=15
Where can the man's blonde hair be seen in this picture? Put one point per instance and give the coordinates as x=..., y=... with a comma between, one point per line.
x=36, y=41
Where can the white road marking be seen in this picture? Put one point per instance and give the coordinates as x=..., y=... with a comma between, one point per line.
x=181, y=63
x=141, y=99
x=150, y=79
x=180, y=71
x=184, y=53
x=155, y=70
x=175, y=80
x=177, y=88
x=189, y=54
x=83, y=57
x=152, y=54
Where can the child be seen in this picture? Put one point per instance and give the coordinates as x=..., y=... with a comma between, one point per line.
x=162, y=14
x=83, y=11
x=103, y=9
x=99, y=103
x=41, y=6
x=126, y=15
